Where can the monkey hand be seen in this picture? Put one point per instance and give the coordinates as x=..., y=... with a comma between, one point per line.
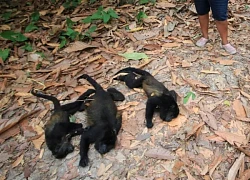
x=84, y=76
x=149, y=125
x=84, y=161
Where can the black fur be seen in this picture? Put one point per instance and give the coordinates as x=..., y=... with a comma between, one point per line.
x=158, y=95
x=59, y=130
x=104, y=120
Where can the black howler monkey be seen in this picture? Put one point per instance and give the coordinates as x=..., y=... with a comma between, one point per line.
x=104, y=120
x=59, y=130
x=158, y=95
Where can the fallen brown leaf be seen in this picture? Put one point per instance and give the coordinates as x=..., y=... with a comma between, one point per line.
x=12, y=122
x=38, y=142
x=209, y=120
x=177, y=166
x=101, y=170
x=185, y=64
x=177, y=122
x=245, y=94
x=214, y=164
x=17, y=161
x=232, y=138
x=235, y=168
x=12, y=76
x=194, y=129
x=245, y=175
x=165, y=5
x=152, y=47
x=171, y=45
x=243, y=119
x=190, y=177
x=77, y=46
x=160, y=153
x=210, y=72
x=223, y=61
x=239, y=109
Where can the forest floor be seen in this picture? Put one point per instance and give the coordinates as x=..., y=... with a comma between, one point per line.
x=208, y=140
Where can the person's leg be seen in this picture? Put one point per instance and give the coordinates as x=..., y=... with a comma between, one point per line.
x=202, y=8
x=219, y=10
x=204, y=23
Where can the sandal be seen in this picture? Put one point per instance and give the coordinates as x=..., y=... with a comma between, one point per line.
x=229, y=48
x=201, y=42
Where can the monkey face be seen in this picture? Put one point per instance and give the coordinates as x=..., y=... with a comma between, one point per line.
x=107, y=142
x=169, y=108
x=60, y=146
x=62, y=149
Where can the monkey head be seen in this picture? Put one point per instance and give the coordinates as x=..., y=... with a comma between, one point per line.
x=107, y=141
x=169, y=108
x=60, y=146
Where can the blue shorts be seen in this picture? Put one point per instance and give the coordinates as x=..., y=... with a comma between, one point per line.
x=218, y=7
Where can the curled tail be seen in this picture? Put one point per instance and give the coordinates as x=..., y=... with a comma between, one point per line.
x=91, y=81
x=55, y=101
x=134, y=70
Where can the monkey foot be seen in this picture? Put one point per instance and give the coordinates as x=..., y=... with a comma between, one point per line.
x=84, y=162
x=150, y=125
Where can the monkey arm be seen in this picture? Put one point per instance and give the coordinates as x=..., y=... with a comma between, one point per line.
x=67, y=128
x=130, y=80
x=79, y=104
x=152, y=103
x=87, y=138
x=76, y=132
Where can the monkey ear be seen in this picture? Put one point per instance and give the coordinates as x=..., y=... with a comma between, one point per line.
x=174, y=94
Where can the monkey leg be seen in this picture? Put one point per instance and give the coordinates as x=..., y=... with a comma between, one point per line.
x=84, y=148
x=130, y=80
x=87, y=138
x=152, y=103
x=115, y=94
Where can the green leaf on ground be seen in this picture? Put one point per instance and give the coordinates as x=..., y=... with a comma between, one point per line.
x=6, y=16
x=63, y=42
x=112, y=13
x=72, y=118
x=189, y=94
x=141, y=15
x=226, y=102
x=4, y=54
x=69, y=23
x=28, y=47
x=134, y=56
x=13, y=36
x=31, y=27
x=35, y=16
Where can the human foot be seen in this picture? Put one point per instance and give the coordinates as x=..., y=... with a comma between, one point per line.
x=201, y=42
x=229, y=48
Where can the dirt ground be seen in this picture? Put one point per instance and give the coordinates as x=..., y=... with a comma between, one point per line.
x=208, y=140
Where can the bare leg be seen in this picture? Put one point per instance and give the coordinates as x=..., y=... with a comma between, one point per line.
x=222, y=27
x=204, y=22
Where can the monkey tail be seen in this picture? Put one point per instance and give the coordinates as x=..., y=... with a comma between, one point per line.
x=134, y=70
x=91, y=81
x=55, y=101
